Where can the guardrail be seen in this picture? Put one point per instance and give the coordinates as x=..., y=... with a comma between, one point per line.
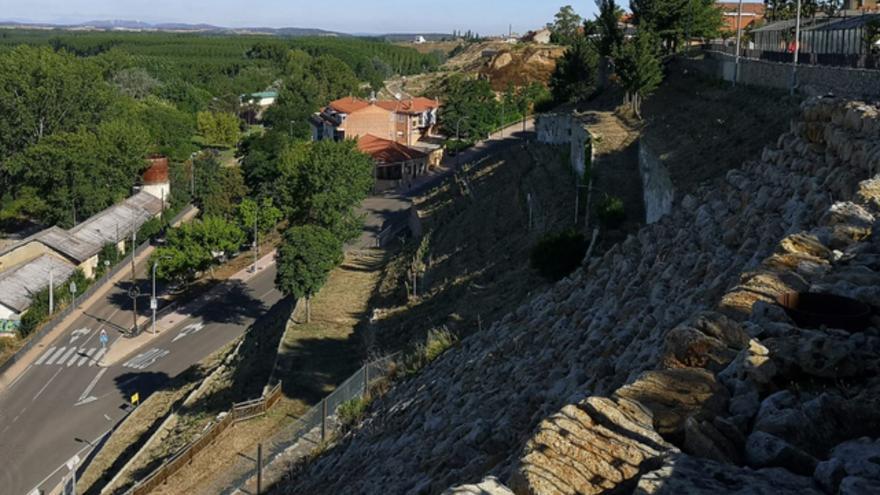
x=35, y=337
x=241, y=411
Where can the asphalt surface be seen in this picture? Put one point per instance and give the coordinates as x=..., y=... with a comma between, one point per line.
x=64, y=402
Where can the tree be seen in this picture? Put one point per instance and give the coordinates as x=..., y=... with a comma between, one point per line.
x=608, y=35
x=264, y=214
x=43, y=92
x=218, y=189
x=170, y=130
x=196, y=247
x=673, y=20
x=218, y=128
x=305, y=259
x=565, y=26
x=322, y=182
x=135, y=82
x=70, y=176
x=470, y=107
x=575, y=74
x=638, y=68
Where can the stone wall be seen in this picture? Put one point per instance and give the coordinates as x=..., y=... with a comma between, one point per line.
x=812, y=80
x=567, y=129
x=657, y=187
x=664, y=366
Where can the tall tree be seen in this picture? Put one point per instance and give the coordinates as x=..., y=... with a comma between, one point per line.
x=673, y=20
x=218, y=128
x=575, y=74
x=218, y=189
x=638, y=67
x=322, y=182
x=470, y=107
x=608, y=36
x=565, y=26
x=305, y=259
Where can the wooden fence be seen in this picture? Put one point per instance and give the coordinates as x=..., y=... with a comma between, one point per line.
x=241, y=411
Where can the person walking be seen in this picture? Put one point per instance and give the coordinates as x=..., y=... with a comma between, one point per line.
x=103, y=339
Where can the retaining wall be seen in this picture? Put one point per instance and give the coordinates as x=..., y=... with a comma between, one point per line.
x=566, y=129
x=813, y=80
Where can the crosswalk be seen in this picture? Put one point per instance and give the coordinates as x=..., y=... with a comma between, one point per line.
x=69, y=356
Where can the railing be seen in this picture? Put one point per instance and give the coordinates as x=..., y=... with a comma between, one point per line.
x=241, y=411
x=35, y=337
x=851, y=60
x=313, y=427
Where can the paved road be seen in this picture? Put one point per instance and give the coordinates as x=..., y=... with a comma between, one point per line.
x=64, y=401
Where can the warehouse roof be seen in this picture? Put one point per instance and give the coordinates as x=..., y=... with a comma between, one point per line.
x=18, y=285
x=116, y=223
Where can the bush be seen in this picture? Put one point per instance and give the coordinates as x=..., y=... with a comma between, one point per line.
x=455, y=146
x=611, y=212
x=352, y=411
x=437, y=342
x=556, y=255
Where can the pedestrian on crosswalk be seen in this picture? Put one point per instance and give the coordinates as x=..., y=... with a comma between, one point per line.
x=103, y=339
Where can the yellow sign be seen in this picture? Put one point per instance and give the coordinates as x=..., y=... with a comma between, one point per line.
x=135, y=399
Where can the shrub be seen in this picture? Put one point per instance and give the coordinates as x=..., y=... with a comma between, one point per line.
x=558, y=254
x=611, y=212
x=437, y=342
x=352, y=411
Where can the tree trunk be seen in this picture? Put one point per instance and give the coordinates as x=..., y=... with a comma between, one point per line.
x=604, y=69
x=308, y=309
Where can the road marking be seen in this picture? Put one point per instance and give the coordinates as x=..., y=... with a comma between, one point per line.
x=85, y=398
x=46, y=385
x=85, y=358
x=75, y=357
x=146, y=359
x=189, y=330
x=45, y=355
x=19, y=377
x=66, y=355
x=55, y=356
x=79, y=332
x=97, y=357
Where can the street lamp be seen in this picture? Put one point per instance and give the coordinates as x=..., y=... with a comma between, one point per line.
x=797, y=48
x=291, y=127
x=154, y=303
x=458, y=127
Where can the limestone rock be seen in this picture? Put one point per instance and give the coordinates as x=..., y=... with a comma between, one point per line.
x=856, y=458
x=489, y=486
x=674, y=395
x=683, y=474
x=702, y=439
x=766, y=450
x=588, y=448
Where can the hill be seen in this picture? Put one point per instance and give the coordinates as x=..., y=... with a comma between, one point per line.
x=665, y=366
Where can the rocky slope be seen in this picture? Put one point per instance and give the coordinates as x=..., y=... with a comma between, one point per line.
x=664, y=366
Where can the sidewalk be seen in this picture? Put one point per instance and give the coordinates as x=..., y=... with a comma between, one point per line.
x=123, y=347
x=14, y=372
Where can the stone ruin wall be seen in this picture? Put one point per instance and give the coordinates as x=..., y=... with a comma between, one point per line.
x=567, y=129
x=664, y=366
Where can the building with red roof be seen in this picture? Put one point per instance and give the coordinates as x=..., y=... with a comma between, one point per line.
x=394, y=162
x=405, y=121
x=751, y=13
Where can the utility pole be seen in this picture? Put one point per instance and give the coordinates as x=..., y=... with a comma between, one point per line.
x=259, y=468
x=738, y=42
x=154, y=303
x=51, y=290
x=797, y=48
x=134, y=313
x=256, y=243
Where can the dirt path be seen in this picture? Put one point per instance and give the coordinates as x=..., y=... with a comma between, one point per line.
x=616, y=169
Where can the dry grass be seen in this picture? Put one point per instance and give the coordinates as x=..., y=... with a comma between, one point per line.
x=315, y=357
x=138, y=426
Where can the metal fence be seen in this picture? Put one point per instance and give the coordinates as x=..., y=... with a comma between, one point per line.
x=805, y=57
x=241, y=411
x=306, y=432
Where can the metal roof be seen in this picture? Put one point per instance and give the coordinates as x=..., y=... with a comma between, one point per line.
x=853, y=22
x=62, y=241
x=18, y=285
x=117, y=222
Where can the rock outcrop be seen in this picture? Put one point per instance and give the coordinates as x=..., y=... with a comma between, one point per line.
x=666, y=366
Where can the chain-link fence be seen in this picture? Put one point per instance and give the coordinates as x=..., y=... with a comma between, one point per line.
x=301, y=436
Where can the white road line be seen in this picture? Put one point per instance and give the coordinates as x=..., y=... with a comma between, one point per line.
x=97, y=357
x=85, y=358
x=44, y=356
x=55, y=356
x=46, y=385
x=76, y=356
x=67, y=355
x=92, y=384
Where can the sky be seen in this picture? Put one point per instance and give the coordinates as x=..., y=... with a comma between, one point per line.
x=486, y=17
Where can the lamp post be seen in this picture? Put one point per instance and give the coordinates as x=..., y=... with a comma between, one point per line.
x=739, y=15
x=291, y=127
x=458, y=127
x=51, y=291
x=154, y=302
x=797, y=48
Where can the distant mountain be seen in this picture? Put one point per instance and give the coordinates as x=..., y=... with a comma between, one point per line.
x=127, y=25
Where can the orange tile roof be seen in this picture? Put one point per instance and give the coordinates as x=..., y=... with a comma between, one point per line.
x=387, y=151
x=413, y=105
x=348, y=105
x=748, y=7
